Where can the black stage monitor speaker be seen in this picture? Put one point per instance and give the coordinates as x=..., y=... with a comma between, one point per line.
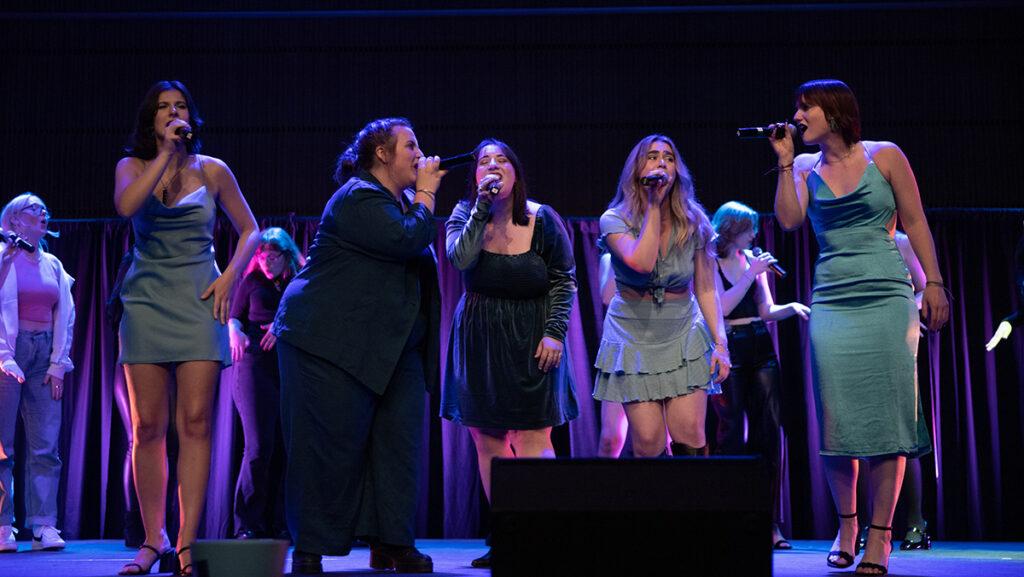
x=677, y=516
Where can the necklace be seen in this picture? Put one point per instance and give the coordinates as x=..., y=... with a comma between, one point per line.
x=163, y=193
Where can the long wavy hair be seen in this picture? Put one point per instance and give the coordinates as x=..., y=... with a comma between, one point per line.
x=14, y=207
x=142, y=140
x=276, y=238
x=687, y=214
x=519, y=189
x=363, y=150
x=731, y=220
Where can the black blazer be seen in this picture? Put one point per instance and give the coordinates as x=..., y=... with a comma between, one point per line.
x=356, y=300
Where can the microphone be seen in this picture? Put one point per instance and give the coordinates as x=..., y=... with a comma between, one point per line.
x=774, y=267
x=761, y=132
x=491, y=185
x=18, y=241
x=453, y=161
x=184, y=132
x=652, y=179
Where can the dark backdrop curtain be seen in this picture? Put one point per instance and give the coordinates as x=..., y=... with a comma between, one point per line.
x=973, y=397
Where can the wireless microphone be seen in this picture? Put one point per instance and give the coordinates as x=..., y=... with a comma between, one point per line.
x=762, y=131
x=453, y=161
x=774, y=267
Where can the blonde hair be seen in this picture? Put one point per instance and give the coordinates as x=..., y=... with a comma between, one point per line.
x=686, y=213
x=15, y=206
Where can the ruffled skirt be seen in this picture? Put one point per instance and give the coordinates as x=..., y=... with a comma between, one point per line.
x=653, y=351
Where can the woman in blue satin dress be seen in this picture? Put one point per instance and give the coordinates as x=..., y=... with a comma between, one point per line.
x=864, y=320
x=176, y=306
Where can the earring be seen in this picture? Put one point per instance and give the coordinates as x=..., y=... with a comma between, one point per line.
x=832, y=124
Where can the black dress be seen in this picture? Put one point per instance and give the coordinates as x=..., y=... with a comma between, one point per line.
x=511, y=303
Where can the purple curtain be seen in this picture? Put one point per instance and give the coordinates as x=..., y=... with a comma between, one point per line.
x=973, y=398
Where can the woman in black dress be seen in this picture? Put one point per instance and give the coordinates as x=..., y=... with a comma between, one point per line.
x=508, y=379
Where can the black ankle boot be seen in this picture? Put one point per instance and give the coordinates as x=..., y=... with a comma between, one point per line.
x=684, y=450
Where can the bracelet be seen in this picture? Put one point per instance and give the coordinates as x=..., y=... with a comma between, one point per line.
x=783, y=167
x=722, y=346
x=937, y=283
x=429, y=193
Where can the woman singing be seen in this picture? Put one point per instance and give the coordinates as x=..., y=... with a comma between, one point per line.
x=748, y=408
x=259, y=507
x=664, y=345
x=176, y=305
x=352, y=344
x=37, y=318
x=508, y=379
x=864, y=321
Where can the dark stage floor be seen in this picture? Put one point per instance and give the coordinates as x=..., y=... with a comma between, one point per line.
x=452, y=557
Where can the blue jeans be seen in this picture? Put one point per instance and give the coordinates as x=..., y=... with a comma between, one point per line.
x=41, y=416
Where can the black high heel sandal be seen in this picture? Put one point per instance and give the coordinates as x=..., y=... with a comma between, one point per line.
x=165, y=558
x=917, y=538
x=882, y=569
x=187, y=569
x=842, y=558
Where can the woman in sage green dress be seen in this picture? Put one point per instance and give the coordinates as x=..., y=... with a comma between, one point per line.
x=864, y=321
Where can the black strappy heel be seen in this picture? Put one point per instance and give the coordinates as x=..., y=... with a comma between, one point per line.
x=882, y=569
x=842, y=558
x=187, y=569
x=165, y=558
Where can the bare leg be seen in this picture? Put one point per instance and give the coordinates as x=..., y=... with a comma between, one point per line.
x=490, y=443
x=613, y=430
x=685, y=416
x=197, y=381
x=885, y=481
x=647, y=427
x=533, y=443
x=148, y=398
x=841, y=473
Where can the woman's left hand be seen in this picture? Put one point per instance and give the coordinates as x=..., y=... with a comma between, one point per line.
x=221, y=291
x=935, y=307
x=549, y=351
x=800, y=310
x=720, y=364
x=56, y=386
x=269, y=339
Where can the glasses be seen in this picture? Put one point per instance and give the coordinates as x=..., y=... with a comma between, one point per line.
x=270, y=255
x=36, y=209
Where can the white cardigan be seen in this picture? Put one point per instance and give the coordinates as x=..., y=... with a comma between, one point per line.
x=63, y=316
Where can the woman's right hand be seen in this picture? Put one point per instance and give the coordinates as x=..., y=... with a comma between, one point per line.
x=760, y=263
x=9, y=252
x=657, y=190
x=172, y=141
x=11, y=369
x=239, y=342
x=783, y=147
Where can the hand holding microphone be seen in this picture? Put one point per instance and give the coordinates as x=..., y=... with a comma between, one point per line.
x=14, y=240
x=490, y=184
x=770, y=262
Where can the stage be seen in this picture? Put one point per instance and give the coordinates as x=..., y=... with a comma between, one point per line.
x=452, y=557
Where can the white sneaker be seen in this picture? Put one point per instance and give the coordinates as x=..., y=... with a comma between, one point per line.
x=46, y=538
x=7, y=542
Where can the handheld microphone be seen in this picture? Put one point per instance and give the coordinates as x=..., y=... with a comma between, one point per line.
x=774, y=267
x=18, y=241
x=453, y=161
x=491, y=185
x=761, y=131
x=652, y=179
x=184, y=132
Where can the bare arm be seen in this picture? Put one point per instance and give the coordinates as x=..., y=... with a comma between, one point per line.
x=230, y=198
x=607, y=278
x=135, y=180
x=790, y=187
x=769, y=311
x=707, y=299
x=896, y=169
x=730, y=298
x=639, y=253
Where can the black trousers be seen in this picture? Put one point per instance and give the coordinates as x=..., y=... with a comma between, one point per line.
x=751, y=391
x=259, y=492
x=353, y=455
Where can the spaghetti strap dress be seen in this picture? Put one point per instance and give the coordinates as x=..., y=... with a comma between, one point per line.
x=864, y=325
x=173, y=262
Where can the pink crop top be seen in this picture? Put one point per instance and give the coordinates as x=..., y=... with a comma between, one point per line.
x=38, y=291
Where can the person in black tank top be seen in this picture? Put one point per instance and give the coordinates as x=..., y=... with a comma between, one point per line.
x=751, y=391
x=508, y=378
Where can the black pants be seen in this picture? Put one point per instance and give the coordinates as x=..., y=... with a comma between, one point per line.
x=751, y=390
x=259, y=492
x=353, y=455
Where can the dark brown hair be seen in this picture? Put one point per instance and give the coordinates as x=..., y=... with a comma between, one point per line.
x=837, y=102
x=142, y=140
x=519, y=190
x=361, y=152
